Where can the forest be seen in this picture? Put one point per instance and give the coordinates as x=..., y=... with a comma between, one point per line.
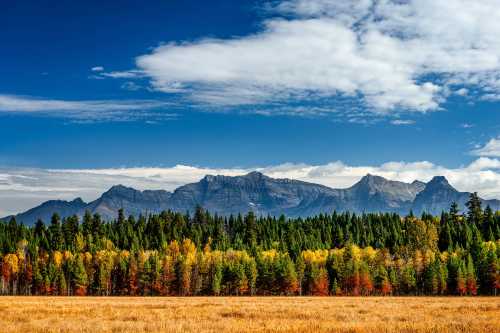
x=167, y=254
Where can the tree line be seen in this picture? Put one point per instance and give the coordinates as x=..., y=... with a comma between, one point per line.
x=204, y=254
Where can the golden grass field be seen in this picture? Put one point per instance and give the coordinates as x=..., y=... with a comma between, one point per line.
x=250, y=314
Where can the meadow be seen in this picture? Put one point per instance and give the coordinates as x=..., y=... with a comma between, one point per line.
x=250, y=314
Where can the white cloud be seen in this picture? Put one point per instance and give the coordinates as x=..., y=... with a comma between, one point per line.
x=90, y=110
x=466, y=125
x=490, y=149
x=131, y=74
x=131, y=86
x=392, y=55
x=21, y=189
x=402, y=122
x=97, y=69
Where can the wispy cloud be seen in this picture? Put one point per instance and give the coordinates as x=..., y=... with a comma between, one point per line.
x=399, y=122
x=89, y=110
x=490, y=149
x=97, y=69
x=131, y=86
x=389, y=56
x=21, y=189
x=130, y=74
x=466, y=125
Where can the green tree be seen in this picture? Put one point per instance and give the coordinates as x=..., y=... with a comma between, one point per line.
x=475, y=212
x=56, y=235
x=79, y=276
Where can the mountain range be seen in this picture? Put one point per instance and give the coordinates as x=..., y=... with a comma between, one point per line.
x=265, y=196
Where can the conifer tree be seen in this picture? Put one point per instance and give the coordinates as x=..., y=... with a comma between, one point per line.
x=79, y=277
x=471, y=277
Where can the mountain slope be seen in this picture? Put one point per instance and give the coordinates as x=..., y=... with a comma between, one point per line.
x=252, y=192
x=45, y=211
x=132, y=201
x=375, y=193
x=266, y=196
x=438, y=194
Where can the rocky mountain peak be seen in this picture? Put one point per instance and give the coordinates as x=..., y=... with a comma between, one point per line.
x=209, y=178
x=255, y=175
x=78, y=201
x=121, y=191
x=370, y=179
x=118, y=189
x=439, y=182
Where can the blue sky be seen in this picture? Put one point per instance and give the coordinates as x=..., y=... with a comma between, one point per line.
x=236, y=85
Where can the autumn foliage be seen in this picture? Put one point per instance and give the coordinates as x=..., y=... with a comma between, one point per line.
x=178, y=255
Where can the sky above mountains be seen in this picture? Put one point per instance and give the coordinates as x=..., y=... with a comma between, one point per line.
x=159, y=95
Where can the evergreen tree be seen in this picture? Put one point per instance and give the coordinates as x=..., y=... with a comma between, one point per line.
x=79, y=277
x=217, y=278
x=471, y=277
x=475, y=212
x=176, y=254
x=55, y=232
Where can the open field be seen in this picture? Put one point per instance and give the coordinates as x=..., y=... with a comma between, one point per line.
x=249, y=314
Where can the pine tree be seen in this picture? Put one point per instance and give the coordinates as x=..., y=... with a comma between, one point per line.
x=489, y=272
x=242, y=280
x=145, y=278
x=300, y=269
x=461, y=280
x=471, y=277
x=408, y=280
x=431, y=281
x=61, y=284
x=445, y=238
x=56, y=235
x=442, y=279
x=217, y=278
x=287, y=256
x=488, y=222
x=475, y=212
x=79, y=277
x=454, y=212
x=290, y=281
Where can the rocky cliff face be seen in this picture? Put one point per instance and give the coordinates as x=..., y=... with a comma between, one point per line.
x=375, y=193
x=252, y=192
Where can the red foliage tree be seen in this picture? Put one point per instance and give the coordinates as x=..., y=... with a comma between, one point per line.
x=320, y=283
x=366, y=283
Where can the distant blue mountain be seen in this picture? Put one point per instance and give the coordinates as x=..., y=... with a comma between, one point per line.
x=266, y=196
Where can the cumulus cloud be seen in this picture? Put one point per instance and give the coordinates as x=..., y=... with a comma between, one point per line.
x=393, y=56
x=86, y=110
x=21, y=189
x=490, y=149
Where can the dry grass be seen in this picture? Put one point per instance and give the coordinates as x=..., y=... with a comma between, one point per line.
x=250, y=314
